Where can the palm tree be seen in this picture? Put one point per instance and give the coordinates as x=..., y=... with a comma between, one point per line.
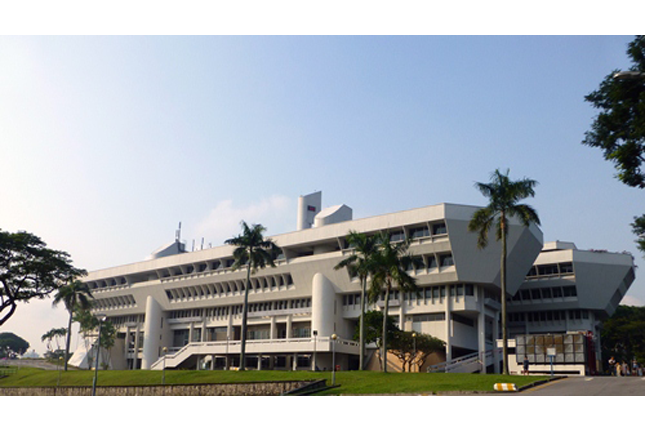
x=256, y=252
x=503, y=195
x=389, y=269
x=359, y=264
x=74, y=295
x=53, y=335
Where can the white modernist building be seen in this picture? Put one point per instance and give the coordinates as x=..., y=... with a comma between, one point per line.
x=183, y=309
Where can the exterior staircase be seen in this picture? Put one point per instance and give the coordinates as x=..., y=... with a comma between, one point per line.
x=471, y=363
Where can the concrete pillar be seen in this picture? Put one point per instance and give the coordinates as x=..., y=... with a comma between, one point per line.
x=295, y=361
x=151, y=333
x=136, y=348
x=272, y=331
x=288, y=327
x=127, y=344
x=481, y=327
x=323, y=297
x=448, y=307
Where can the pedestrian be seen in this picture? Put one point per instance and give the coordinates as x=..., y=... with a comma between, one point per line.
x=634, y=367
x=525, y=364
x=612, y=365
x=618, y=370
x=625, y=369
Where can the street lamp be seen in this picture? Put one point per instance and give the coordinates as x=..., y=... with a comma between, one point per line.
x=315, y=332
x=163, y=374
x=60, y=369
x=333, y=359
x=101, y=318
x=414, y=342
x=629, y=74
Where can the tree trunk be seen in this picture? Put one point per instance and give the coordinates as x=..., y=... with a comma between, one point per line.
x=244, y=317
x=69, y=338
x=384, y=336
x=503, y=298
x=361, y=335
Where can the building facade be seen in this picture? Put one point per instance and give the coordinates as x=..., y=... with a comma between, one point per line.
x=183, y=309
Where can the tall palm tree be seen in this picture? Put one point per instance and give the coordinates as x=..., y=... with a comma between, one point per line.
x=359, y=264
x=74, y=295
x=53, y=335
x=389, y=269
x=255, y=252
x=503, y=195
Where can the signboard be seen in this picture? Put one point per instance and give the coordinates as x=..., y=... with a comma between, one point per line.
x=550, y=352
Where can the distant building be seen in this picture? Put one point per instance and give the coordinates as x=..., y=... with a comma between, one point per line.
x=189, y=304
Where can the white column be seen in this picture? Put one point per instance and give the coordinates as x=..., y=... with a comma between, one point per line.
x=495, y=337
x=481, y=327
x=323, y=297
x=448, y=324
x=152, y=333
x=288, y=327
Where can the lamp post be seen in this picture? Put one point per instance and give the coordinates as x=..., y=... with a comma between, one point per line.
x=163, y=374
x=333, y=359
x=313, y=365
x=60, y=369
x=101, y=319
x=414, y=342
x=629, y=74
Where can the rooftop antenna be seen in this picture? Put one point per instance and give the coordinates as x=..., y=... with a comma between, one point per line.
x=178, y=233
x=202, y=248
x=193, y=245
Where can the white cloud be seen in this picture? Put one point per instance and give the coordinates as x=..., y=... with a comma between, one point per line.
x=632, y=301
x=276, y=213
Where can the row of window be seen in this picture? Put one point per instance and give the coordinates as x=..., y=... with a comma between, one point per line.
x=427, y=293
x=441, y=316
x=547, y=293
x=222, y=311
x=550, y=269
x=114, y=302
x=260, y=284
x=543, y=316
x=416, y=232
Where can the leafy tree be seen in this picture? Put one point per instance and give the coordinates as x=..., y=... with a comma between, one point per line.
x=619, y=128
x=89, y=324
x=623, y=335
x=413, y=348
x=255, y=252
x=11, y=343
x=374, y=329
x=75, y=296
x=390, y=264
x=54, y=335
x=504, y=196
x=359, y=264
x=28, y=269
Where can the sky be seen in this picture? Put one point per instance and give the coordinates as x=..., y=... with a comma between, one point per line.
x=108, y=142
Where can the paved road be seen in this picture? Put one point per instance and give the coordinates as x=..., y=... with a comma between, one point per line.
x=41, y=364
x=590, y=386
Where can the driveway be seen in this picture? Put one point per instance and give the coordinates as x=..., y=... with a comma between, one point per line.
x=590, y=386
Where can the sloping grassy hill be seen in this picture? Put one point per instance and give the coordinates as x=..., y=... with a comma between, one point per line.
x=350, y=382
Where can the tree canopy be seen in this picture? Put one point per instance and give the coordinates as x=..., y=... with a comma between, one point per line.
x=28, y=269
x=619, y=128
x=10, y=342
x=623, y=335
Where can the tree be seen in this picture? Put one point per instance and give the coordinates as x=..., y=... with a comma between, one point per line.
x=359, y=264
x=373, y=327
x=28, y=269
x=504, y=196
x=89, y=323
x=389, y=269
x=11, y=344
x=623, y=335
x=54, y=335
x=619, y=129
x=413, y=348
x=75, y=296
x=255, y=252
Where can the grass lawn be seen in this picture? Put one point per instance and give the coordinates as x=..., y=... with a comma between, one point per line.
x=350, y=382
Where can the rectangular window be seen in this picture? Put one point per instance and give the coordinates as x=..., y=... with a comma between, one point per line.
x=418, y=232
x=535, y=294
x=446, y=260
x=470, y=290
x=526, y=294
x=557, y=292
x=438, y=229
x=569, y=291
x=397, y=236
x=432, y=262
x=546, y=293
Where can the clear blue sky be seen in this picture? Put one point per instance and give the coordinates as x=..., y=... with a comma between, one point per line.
x=108, y=142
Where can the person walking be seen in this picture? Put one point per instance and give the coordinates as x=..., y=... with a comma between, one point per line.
x=612, y=366
x=525, y=363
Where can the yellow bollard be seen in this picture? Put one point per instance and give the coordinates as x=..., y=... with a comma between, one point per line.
x=504, y=387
